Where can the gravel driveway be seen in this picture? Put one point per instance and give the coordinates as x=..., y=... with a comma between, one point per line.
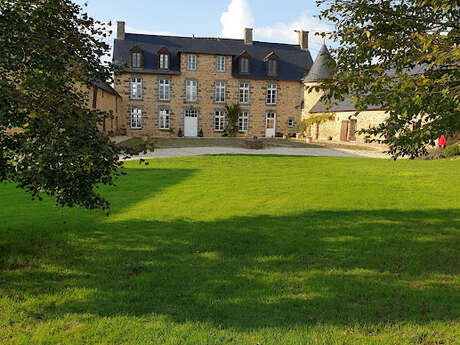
x=198, y=151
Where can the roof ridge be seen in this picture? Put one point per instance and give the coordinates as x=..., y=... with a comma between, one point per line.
x=210, y=38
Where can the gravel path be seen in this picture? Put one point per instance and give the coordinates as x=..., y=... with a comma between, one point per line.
x=198, y=151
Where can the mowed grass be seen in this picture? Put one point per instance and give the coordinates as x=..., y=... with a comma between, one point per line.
x=167, y=143
x=240, y=250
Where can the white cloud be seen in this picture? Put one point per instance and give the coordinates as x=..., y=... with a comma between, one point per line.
x=237, y=17
x=285, y=32
x=132, y=30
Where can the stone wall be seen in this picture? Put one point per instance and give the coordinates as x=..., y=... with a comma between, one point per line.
x=333, y=128
x=288, y=105
x=107, y=102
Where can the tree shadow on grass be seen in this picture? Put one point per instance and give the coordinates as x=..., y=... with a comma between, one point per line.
x=48, y=228
x=325, y=267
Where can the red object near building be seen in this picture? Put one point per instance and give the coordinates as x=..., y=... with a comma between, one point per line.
x=442, y=141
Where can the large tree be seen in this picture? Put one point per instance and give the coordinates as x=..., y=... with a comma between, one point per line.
x=50, y=54
x=404, y=56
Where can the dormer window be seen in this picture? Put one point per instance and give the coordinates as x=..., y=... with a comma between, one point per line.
x=164, y=61
x=272, y=63
x=244, y=65
x=244, y=60
x=136, y=57
x=164, y=58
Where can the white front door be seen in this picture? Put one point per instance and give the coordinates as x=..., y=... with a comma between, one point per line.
x=270, y=124
x=191, y=123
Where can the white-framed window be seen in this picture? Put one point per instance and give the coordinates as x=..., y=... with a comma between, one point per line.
x=219, y=121
x=163, y=121
x=164, y=61
x=244, y=92
x=220, y=92
x=191, y=62
x=191, y=112
x=136, y=88
x=136, y=118
x=164, y=90
x=270, y=120
x=243, y=121
x=136, y=60
x=244, y=65
x=191, y=90
x=272, y=93
x=272, y=66
x=220, y=63
x=291, y=123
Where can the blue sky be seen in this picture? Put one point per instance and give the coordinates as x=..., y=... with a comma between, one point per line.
x=272, y=20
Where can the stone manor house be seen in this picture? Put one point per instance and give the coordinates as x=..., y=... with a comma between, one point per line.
x=169, y=83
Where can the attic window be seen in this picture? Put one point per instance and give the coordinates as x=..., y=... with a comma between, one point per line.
x=136, y=57
x=272, y=63
x=164, y=58
x=244, y=62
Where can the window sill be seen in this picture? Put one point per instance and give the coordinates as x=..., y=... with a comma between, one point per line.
x=164, y=100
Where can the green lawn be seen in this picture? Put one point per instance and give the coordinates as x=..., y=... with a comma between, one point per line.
x=240, y=250
x=166, y=143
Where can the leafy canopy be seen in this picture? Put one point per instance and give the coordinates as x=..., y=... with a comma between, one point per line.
x=50, y=55
x=404, y=56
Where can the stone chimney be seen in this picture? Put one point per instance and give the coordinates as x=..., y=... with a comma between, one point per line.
x=120, y=30
x=303, y=39
x=248, y=36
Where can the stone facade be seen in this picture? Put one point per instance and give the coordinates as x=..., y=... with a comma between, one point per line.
x=343, y=125
x=287, y=108
x=102, y=100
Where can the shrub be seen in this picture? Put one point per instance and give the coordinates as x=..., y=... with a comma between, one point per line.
x=180, y=134
x=452, y=150
x=200, y=133
x=233, y=113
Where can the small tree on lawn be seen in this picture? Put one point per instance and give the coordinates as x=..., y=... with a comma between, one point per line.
x=233, y=114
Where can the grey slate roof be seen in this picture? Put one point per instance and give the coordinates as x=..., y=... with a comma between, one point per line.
x=293, y=62
x=346, y=105
x=106, y=87
x=322, y=67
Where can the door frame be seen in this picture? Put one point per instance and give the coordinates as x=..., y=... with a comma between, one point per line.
x=274, y=123
x=197, y=122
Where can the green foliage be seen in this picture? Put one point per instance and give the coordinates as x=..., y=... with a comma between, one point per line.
x=240, y=250
x=402, y=56
x=50, y=56
x=200, y=133
x=452, y=150
x=306, y=123
x=180, y=134
x=233, y=113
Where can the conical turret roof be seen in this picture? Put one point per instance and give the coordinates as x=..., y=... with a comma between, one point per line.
x=322, y=67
